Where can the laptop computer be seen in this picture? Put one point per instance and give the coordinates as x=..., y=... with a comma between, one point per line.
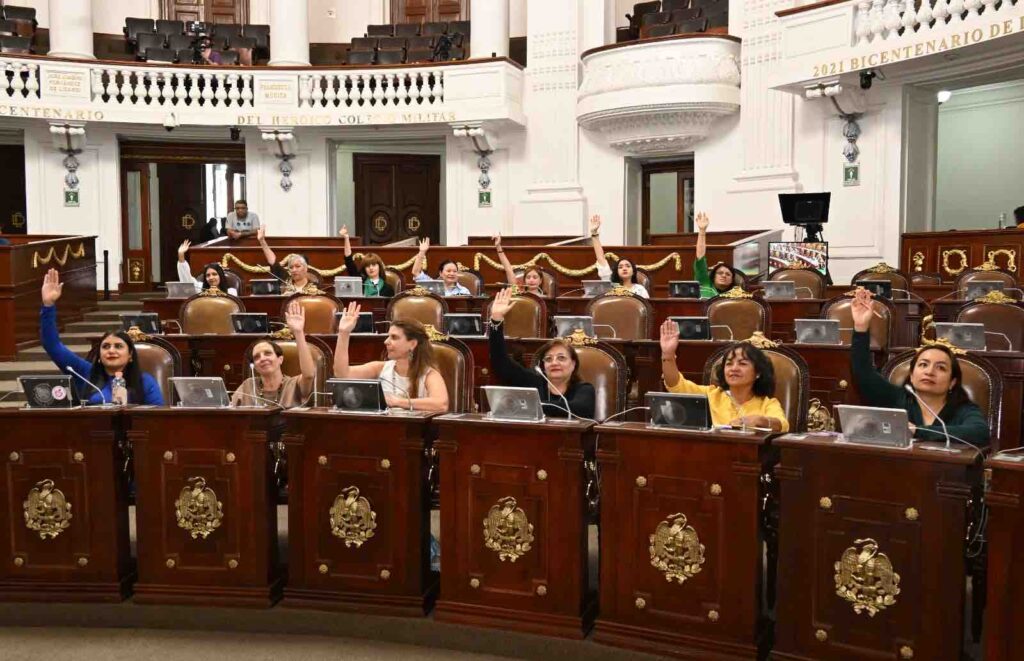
x=965, y=336
x=979, y=288
x=817, y=331
x=200, y=392
x=880, y=288
x=464, y=324
x=683, y=289
x=250, y=322
x=693, y=328
x=779, y=290
x=874, y=426
x=47, y=391
x=432, y=286
x=147, y=322
x=348, y=286
x=595, y=288
x=364, y=326
x=566, y=324
x=513, y=404
x=265, y=287
x=677, y=410
x=357, y=395
x=180, y=289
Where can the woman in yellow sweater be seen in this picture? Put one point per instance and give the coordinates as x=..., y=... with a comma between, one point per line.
x=746, y=374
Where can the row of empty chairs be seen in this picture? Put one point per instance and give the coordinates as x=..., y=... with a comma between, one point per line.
x=17, y=29
x=662, y=18
x=403, y=43
x=143, y=35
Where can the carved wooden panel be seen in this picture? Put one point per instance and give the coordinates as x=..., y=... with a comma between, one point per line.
x=1004, y=254
x=422, y=11
x=397, y=196
x=213, y=11
x=927, y=252
x=1004, y=637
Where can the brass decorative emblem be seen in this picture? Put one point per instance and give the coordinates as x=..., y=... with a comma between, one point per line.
x=1010, y=253
x=759, y=340
x=580, y=339
x=881, y=267
x=507, y=530
x=283, y=334
x=996, y=296
x=212, y=291
x=198, y=510
x=433, y=334
x=865, y=578
x=351, y=518
x=136, y=334
x=620, y=291
x=818, y=417
x=188, y=221
x=379, y=223
x=17, y=220
x=911, y=514
x=944, y=342
x=736, y=292
x=136, y=269
x=676, y=549
x=987, y=265
x=413, y=223
x=417, y=291
x=47, y=511
x=918, y=260
x=958, y=252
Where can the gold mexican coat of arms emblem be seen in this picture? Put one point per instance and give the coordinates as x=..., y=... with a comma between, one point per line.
x=865, y=578
x=47, y=511
x=351, y=518
x=198, y=510
x=507, y=531
x=676, y=549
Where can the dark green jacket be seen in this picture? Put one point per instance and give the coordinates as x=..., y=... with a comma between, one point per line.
x=964, y=421
x=701, y=275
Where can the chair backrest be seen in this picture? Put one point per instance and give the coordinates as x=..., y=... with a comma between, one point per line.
x=360, y=57
x=420, y=55
x=160, y=359
x=808, y=279
x=686, y=14
x=981, y=380
x=170, y=28
x=203, y=314
x=631, y=316
x=642, y=8
x=657, y=30
x=364, y=43
x=792, y=379
x=925, y=279
x=233, y=280
x=261, y=33
x=655, y=18
x=674, y=5
x=883, y=271
x=743, y=316
x=419, y=304
x=425, y=41
x=604, y=367
x=460, y=27
x=134, y=26
x=997, y=275
x=472, y=280
x=691, y=25
x=394, y=278
x=179, y=42
x=455, y=363
x=1004, y=318
x=391, y=56
x=16, y=45
x=527, y=318
x=841, y=308
x=391, y=43
x=548, y=279
x=244, y=46
x=435, y=28
x=380, y=30
x=407, y=30
x=644, y=278
x=147, y=40
x=8, y=28
x=24, y=19
x=227, y=30
x=323, y=358
x=320, y=310
x=161, y=55
x=230, y=57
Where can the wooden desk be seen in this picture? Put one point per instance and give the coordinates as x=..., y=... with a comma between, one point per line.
x=699, y=596
x=359, y=512
x=839, y=500
x=527, y=571
x=1004, y=495
x=192, y=552
x=79, y=451
x=950, y=253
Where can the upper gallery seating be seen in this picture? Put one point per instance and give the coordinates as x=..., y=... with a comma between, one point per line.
x=662, y=18
x=172, y=41
x=405, y=43
x=17, y=29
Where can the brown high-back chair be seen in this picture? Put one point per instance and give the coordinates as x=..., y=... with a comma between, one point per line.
x=644, y=278
x=986, y=274
x=841, y=308
x=630, y=316
x=604, y=367
x=323, y=358
x=473, y=281
x=999, y=319
x=792, y=378
x=809, y=283
x=233, y=280
x=419, y=304
x=455, y=363
x=394, y=278
x=549, y=282
x=925, y=279
x=159, y=358
x=320, y=310
x=528, y=317
x=204, y=314
x=743, y=316
x=883, y=271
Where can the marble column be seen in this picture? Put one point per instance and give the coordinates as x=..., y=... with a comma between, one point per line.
x=289, y=33
x=71, y=29
x=489, y=28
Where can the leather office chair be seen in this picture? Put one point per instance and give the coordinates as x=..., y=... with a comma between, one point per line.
x=925, y=279
x=320, y=311
x=394, y=278
x=527, y=318
x=472, y=280
x=233, y=280
x=809, y=283
x=159, y=358
x=604, y=367
x=1004, y=318
x=548, y=279
x=630, y=316
x=204, y=314
x=455, y=363
x=323, y=358
x=644, y=278
x=880, y=329
x=743, y=316
x=883, y=271
x=419, y=304
x=987, y=275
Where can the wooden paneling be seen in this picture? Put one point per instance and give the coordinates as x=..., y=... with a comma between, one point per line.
x=13, y=217
x=425, y=11
x=943, y=252
x=397, y=197
x=182, y=211
x=213, y=11
x=1004, y=635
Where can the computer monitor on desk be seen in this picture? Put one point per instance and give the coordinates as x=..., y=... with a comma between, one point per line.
x=201, y=392
x=357, y=395
x=817, y=331
x=265, y=287
x=678, y=411
x=875, y=426
x=779, y=290
x=565, y=325
x=513, y=404
x=595, y=288
x=880, y=288
x=683, y=289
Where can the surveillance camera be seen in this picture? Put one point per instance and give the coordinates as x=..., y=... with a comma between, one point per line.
x=866, y=78
x=170, y=122
x=236, y=134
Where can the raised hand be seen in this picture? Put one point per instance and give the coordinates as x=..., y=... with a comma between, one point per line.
x=261, y=233
x=52, y=287
x=669, y=338
x=295, y=318
x=349, y=319
x=862, y=309
x=343, y=232
x=502, y=304
x=702, y=222
x=595, y=224
x=182, y=249
x=424, y=245
x=497, y=242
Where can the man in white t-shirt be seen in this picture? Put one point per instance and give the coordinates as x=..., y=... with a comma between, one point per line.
x=241, y=222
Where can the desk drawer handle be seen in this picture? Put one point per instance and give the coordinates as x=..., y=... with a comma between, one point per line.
x=82, y=562
x=227, y=367
x=322, y=569
x=542, y=590
x=485, y=371
x=906, y=652
x=168, y=455
x=712, y=616
x=475, y=469
x=716, y=489
x=474, y=583
x=825, y=503
x=322, y=460
x=230, y=457
x=542, y=475
x=843, y=385
x=821, y=635
x=641, y=481
x=912, y=514
x=171, y=564
x=385, y=574
x=78, y=457
x=640, y=603
x=14, y=456
x=385, y=464
x=232, y=564
x=19, y=561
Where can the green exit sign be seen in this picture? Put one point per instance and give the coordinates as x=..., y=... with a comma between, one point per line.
x=485, y=198
x=70, y=198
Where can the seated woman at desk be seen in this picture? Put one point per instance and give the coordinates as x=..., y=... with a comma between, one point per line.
x=116, y=357
x=269, y=386
x=533, y=280
x=715, y=281
x=213, y=273
x=625, y=270
x=409, y=377
x=292, y=271
x=747, y=383
x=561, y=365
x=447, y=272
x=935, y=376
x=372, y=271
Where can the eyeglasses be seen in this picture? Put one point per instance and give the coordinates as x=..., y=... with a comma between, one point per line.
x=559, y=358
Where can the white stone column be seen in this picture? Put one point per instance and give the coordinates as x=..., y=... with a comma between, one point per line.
x=71, y=29
x=289, y=33
x=489, y=31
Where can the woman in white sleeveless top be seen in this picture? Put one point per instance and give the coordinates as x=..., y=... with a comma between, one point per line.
x=408, y=378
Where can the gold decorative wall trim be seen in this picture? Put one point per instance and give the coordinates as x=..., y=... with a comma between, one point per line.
x=1011, y=258
x=479, y=258
x=918, y=260
x=228, y=258
x=675, y=549
x=946, y=254
x=865, y=578
x=61, y=260
x=47, y=511
x=507, y=531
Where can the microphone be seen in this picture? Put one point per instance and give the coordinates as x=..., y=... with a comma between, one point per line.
x=568, y=411
x=1009, y=344
x=252, y=374
x=731, y=338
x=916, y=296
x=909, y=388
x=103, y=397
x=566, y=293
x=398, y=387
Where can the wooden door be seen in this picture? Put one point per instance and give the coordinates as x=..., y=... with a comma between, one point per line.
x=182, y=211
x=12, y=189
x=397, y=197
x=675, y=181
x=214, y=11
x=425, y=11
x=135, y=227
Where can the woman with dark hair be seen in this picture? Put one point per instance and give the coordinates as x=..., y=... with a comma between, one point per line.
x=746, y=387
x=409, y=377
x=213, y=273
x=116, y=358
x=372, y=271
x=935, y=376
x=561, y=366
x=533, y=279
x=292, y=271
x=447, y=272
x=718, y=279
x=269, y=385
x=624, y=274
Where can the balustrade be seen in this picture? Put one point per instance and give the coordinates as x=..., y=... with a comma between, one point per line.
x=879, y=21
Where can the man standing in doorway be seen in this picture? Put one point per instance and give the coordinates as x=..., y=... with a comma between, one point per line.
x=241, y=223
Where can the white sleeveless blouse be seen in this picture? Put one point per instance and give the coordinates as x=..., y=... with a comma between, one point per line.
x=392, y=383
